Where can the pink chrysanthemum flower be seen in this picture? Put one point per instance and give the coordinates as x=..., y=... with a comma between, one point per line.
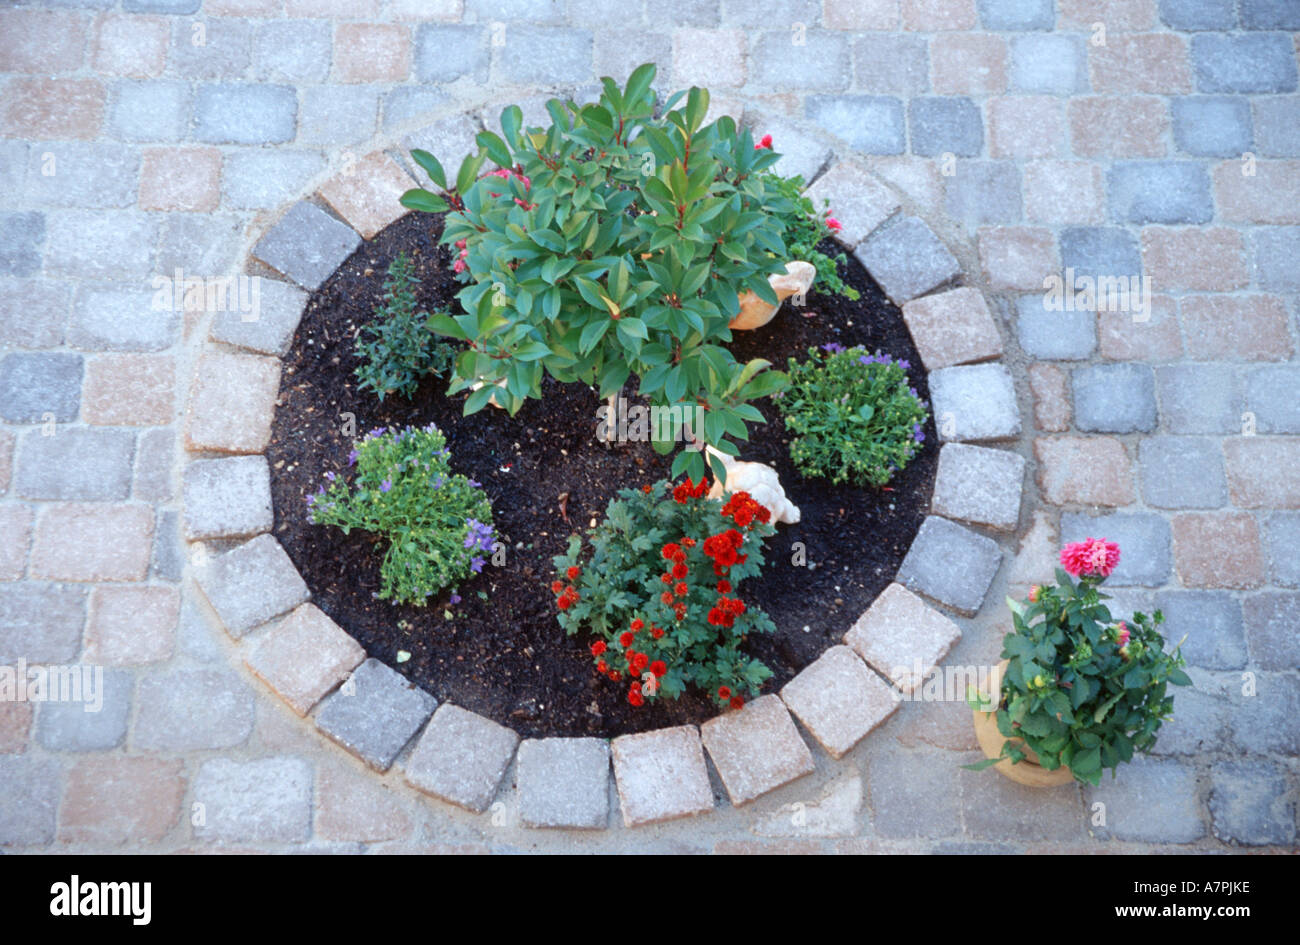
x=1095, y=557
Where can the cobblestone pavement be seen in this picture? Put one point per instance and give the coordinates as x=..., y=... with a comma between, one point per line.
x=1113, y=138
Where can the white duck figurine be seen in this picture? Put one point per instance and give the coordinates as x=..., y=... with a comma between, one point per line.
x=760, y=481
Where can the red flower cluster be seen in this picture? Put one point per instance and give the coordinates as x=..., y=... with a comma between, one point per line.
x=690, y=490
x=742, y=508
x=723, y=550
x=636, y=662
x=725, y=611
x=565, y=596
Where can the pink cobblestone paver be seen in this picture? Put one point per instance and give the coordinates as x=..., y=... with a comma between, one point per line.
x=756, y=749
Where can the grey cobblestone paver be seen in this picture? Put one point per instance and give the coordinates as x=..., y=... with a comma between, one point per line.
x=375, y=713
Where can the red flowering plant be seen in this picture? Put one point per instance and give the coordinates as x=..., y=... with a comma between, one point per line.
x=660, y=592
x=1081, y=689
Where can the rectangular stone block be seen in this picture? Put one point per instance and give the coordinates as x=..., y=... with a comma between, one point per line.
x=1155, y=801
x=1236, y=328
x=40, y=386
x=123, y=318
x=251, y=584
x=1181, y=472
x=1054, y=335
x=244, y=114
x=1212, y=624
x=564, y=782
x=952, y=327
x=872, y=124
x=116, y=801
x=540, y=56
x=75, y=464
x=974, y=402
x=979, y=485
x=41, y=623
x=1218, y=549
x=303, y=656
x=264, y=180
x=375, y=713
x=1159, y=192
x=1200, y=398
x=92, y=542
x=232, y=403
x=855, y=199
x=269, y=329
x=1250, y=804
x=367, y=196
x=1270, y=622
x=839, y=700
x=95, y=722
x=902, y=637
x=266, y=800
x=661, y=775
x=130, y=390
x=1250, y=62
x=907, y=259
x=1114, y=398
x=227, y=498
x=33, y=787
x=756, y=749
x=132, y=624
x=461, y=758
x=307, y=245
x=945, y=125
x=181, y=710
x=1084, y=470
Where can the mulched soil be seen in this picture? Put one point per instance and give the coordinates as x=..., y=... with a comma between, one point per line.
x=501, y=652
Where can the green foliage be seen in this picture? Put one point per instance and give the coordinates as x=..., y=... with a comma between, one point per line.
x=854, y=417
x=397, y=347
x=438, y=524
x=612, y=243
x=804, y=229
x=1081, y=689
x=653, y=544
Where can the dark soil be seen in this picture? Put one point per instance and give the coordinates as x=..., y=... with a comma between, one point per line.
x=500, y=652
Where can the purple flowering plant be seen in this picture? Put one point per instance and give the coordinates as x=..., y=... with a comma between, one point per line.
x=853, y=414
x=438, y=524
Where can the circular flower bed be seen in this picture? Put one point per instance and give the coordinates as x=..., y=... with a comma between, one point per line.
x=493, y=641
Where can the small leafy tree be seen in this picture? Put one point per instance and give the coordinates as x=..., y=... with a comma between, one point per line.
x=397, y=348
x=614, y=242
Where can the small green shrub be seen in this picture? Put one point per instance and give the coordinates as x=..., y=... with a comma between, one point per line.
x=438, y=524
x=660, y=592
x=397, y=347
x=854, y=416
x=804, y=229
x=613, y=242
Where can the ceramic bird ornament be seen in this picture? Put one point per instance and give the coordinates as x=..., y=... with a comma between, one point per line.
x=755, y=312
x=760, y=481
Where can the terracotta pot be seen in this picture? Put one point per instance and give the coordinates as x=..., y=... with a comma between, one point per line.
x=1028, y=771
x=755, y=313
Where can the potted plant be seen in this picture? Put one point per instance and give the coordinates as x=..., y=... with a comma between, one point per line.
x=1077, y=691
